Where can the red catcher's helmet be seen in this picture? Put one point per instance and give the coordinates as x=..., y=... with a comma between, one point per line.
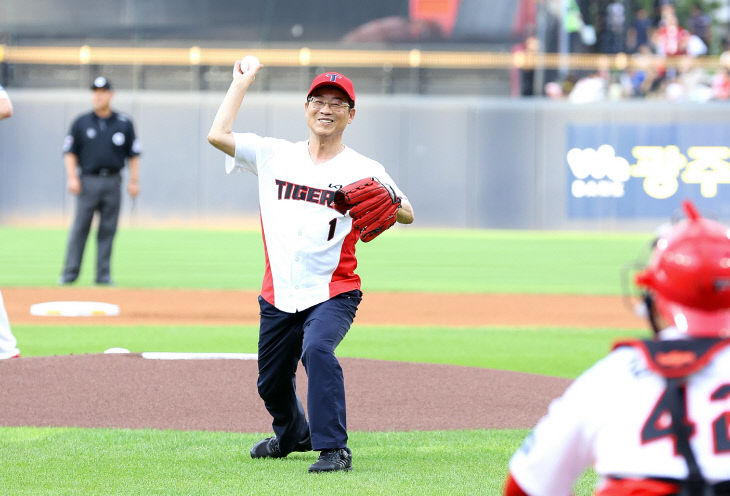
x=689, y=276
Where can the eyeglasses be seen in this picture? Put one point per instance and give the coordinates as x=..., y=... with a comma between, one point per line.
x=319, y=104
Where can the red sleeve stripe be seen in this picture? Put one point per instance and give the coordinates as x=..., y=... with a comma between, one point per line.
x=511, y=488
x=267, y=287
x=637, y=487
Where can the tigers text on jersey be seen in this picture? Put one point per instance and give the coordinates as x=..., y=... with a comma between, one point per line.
x=309, y=246
x=615, y=418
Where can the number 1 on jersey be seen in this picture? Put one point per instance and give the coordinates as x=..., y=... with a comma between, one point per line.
x=333, y=224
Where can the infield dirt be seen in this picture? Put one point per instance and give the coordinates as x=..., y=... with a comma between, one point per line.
x=160, y=306
x=129, y=391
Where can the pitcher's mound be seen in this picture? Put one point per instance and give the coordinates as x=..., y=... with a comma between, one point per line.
x=127, y=391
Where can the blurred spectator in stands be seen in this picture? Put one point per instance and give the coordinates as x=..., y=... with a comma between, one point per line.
x=589, y=89
x=559, y=90
x=612, y=39
x=619, y=86
x=700, y=24
x=721, y=84
x=644, y=72
x=522, y=79
x=636, y=79
x=639, y=32
x=670, y=39
x=554, y=91
x=695, y=80
x=696, y=47
x=687, y=82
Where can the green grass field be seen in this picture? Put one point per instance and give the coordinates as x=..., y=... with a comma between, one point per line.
x=404, y=260
x=109, y=461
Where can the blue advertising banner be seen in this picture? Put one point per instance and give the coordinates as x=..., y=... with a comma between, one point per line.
x=644, y=170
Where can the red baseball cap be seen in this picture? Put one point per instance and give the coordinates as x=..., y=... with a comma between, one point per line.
x=689, y=276
x=333, y=79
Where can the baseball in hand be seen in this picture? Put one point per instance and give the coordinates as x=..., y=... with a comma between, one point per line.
x=249, y=62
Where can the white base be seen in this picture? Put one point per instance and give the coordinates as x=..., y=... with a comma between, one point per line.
x=164, y=355
x=74, y=309
x=112, y=351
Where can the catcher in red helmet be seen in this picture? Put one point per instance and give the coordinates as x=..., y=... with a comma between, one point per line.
x=653, y=417
x=687, y=281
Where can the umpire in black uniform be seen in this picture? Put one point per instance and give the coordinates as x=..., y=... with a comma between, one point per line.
x=95, y=151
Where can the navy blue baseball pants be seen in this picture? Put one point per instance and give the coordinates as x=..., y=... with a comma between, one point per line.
x=312, y=336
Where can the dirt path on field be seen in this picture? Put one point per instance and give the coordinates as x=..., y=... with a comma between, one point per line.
x=160, y=306
x=130, y=391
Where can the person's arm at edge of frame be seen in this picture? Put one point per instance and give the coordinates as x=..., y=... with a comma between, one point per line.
x=6, y=108
x=133, y=182
x=221, y=131
x=71, y=162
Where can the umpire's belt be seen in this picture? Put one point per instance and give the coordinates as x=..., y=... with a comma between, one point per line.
x=103, y=172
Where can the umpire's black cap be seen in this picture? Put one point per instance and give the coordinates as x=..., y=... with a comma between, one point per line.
x=101, y=83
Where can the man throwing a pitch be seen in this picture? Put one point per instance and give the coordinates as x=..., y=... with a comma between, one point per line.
x=317, y=198
x=653, y=417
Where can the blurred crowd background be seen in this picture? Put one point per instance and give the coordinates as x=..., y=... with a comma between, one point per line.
x=580, y=50
x=672, y=49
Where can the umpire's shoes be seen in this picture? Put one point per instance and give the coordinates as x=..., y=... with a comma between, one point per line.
x=332, y=460
x=269, y=448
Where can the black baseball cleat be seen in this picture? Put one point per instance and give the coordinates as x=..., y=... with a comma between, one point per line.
x=333, y=460
x=269, y=448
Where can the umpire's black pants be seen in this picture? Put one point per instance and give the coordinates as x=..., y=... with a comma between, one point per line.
x=102, y=194
x=312, y=335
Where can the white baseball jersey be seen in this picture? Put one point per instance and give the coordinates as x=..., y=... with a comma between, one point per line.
x=615, y=418
x=3, y=93
x=309, y=246
x=8, y=344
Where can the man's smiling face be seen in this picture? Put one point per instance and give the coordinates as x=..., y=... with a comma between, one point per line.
x=326, y=121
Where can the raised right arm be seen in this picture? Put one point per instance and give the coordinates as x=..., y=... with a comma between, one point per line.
x=221, y=131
